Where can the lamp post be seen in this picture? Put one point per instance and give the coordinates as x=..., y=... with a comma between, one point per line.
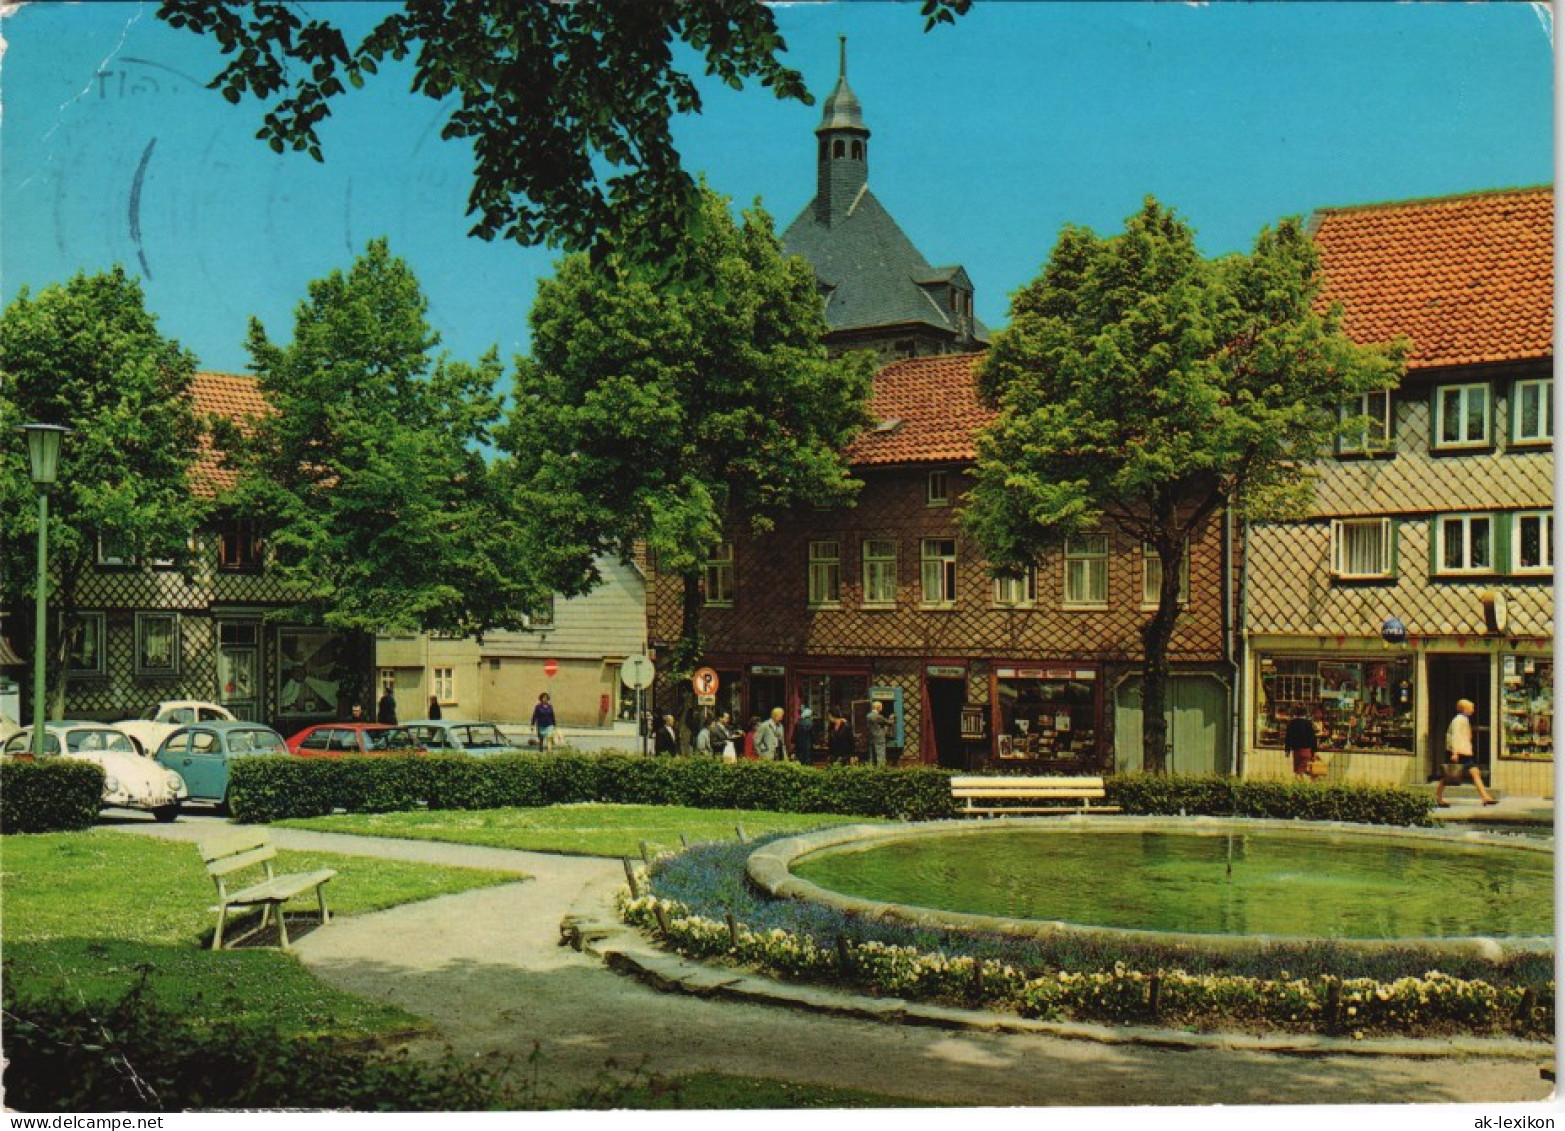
x=43, y=450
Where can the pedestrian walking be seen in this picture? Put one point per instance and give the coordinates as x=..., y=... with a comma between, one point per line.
x=839, y=737
x=1299, y=737
x=771, y=741
x=704, y=738
x=434, y=708
x=387, y=711
x=543, y=722
x=804, y=737
x=666, y=740
x=878, y=729
x=1459, y=752
x=749, y=738
x=722, y=739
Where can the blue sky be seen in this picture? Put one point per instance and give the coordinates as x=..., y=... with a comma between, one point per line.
x=987, y=136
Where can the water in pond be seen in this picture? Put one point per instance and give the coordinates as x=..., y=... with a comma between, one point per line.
x=1321, y=885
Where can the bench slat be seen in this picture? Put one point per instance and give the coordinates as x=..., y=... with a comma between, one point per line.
x=228, y=865
x=987, y=780
x=282, y=887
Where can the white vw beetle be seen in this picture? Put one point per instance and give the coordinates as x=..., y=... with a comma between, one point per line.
x=129, y=780
x=161, y=719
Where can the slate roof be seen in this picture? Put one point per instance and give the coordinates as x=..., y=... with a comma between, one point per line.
x=230, y=395
x=934, y=401
x=1468, y=279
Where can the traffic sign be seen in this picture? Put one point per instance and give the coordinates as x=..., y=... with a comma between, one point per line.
x=550, y=667
x=636, y=673
x=704, y=680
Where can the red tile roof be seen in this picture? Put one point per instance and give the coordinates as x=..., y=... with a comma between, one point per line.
x=1467, y=279
x=234, y=396
x=935, y=401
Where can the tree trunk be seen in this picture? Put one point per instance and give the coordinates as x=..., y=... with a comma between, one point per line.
x=687, y=653
x=1155, y=637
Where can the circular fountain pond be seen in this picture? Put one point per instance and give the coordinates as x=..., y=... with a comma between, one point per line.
x=1218, y=882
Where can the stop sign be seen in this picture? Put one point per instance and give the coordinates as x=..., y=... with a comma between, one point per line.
x=550, y=667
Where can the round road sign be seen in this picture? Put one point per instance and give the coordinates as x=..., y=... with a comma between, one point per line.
x=636, y=673
x=704, y=680
x=550, y=667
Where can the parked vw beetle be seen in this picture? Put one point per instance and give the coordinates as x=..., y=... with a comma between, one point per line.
x=158, y=721
x=129, y=780
x=440, y=736
x=202, y=754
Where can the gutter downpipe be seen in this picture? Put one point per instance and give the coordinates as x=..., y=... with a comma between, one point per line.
x=1237, y=649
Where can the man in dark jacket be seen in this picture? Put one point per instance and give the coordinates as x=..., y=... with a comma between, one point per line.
x=387, y=711
x=666, y=740
x=1300, y=739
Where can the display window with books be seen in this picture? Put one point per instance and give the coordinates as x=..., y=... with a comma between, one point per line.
x=1527, y=706
x=1355, y=704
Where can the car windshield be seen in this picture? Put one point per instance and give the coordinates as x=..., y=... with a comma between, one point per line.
x=256, y=742
x=430, y=737
x=98, y=740
x=392, y=738
x=484, y=735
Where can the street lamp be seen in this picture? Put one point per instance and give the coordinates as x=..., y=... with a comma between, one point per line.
x=43, y=450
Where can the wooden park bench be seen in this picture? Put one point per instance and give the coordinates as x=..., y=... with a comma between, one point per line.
x=1055, y=794
x=236, y=852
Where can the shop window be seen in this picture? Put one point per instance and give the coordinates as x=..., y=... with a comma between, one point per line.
x=1533, y=532
x=87, y=639
x=880, y=572
x=1046, y=713
x=1464, y=543
x=1152, y=576
x=1362, y=705
x=825, y=573
x=1527, y=706
x=1361, y=547
x=157, y=644
x=1532, y=411
x=1087, y=570
x=1017, y=589
x=718, y=576
x=937, y=570
x=1462, y=416
x=938, y=489
x=1373, y=410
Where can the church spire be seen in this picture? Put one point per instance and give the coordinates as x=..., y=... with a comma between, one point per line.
x=842, y=161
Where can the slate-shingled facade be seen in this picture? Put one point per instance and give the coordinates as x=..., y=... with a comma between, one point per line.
x=150, y=633
x=1437, y=523
x=879, y=291
x=890, y=600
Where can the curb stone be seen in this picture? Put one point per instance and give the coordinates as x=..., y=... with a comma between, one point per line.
x=626, y=951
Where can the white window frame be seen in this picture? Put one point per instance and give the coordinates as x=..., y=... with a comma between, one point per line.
x=1543, y=389
x=937, y=572
x=1374, y=439
x=1086, y=558
x=144, y=625
x=1152, y=576
x=1545, y=520
x=1464, y=394
x=718, y=577
x=824, y=577
x=1467, y=523
x=442, y=685
x=876, y=555
x=1017, y=590
x=937, y=489
x=1340, y=565
x=107, y=559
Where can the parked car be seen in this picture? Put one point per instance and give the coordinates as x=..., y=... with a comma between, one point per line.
x=160, y=719
x=342, y=740
x=442, y=736
x=202, y=754
x=129, y=780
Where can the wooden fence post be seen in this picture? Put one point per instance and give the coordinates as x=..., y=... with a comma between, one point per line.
x=630, y=878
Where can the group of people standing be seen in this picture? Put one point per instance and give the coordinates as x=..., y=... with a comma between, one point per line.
x=767, y=739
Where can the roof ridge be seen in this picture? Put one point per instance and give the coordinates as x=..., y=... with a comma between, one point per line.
x=1452, y=198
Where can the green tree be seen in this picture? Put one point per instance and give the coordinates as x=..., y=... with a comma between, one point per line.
x=87, y=354
x=567, y=107
x=368, y=478
x=658, y=414
x=1143, y=388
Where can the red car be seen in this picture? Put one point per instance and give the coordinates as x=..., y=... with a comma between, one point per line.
x=346, y=740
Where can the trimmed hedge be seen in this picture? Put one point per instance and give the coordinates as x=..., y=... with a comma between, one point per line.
x=270, y=789
x=273, y=788
x=49, y=796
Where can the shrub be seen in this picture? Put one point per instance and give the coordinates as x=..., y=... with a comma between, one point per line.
x=51, y=795
x=1167, y=795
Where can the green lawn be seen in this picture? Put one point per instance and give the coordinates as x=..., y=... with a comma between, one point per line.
x=90, y=915
x=586, y=830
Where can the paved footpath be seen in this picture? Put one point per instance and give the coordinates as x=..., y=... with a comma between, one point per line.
x=487, y=970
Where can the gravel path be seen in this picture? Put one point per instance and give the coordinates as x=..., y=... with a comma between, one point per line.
x=486, y=968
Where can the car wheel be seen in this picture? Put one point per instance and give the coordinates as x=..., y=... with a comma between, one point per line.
x=166, y=813
x=225, y=807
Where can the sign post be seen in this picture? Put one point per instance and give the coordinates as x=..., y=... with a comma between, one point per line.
x=637, y=673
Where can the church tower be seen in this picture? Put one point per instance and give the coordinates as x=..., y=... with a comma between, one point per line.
x=880, y=293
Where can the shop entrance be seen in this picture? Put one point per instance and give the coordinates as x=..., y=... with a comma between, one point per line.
x=767, y=691
x=946, y=697
x=1452, y=678
x=1197, y=734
